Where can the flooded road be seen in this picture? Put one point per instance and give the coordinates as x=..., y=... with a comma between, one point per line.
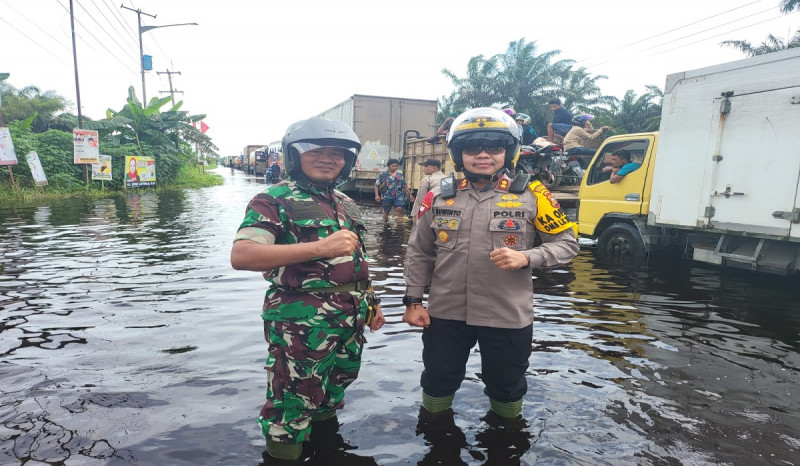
x=126, y=338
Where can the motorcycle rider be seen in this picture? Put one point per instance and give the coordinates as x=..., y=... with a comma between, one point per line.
x=474, y=245
x=583, y=138
x=528, y=133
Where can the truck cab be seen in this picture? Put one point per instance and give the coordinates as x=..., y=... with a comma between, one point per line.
x=616, y=213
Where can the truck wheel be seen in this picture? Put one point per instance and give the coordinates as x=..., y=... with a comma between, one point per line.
x=622, y=241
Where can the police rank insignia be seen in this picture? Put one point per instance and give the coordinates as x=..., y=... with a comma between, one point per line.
x=443, y=236
x=464, y=183
x=450, y=201
x=508, y=204
x=510, y=240
x=509, y=225
x=503, y=185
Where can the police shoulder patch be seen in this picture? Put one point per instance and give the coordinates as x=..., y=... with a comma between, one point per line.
x=426, y=203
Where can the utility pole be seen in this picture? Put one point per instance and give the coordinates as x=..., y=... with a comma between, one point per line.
x=169, y=78
x=77, y=85
x=139, y=14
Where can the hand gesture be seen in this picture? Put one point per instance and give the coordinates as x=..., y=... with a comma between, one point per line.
x=508, y=259
x=416, y=316
x=341, y=243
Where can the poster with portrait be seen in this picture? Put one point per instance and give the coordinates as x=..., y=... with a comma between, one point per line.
x=7, y=154
x=36, y=169
x=102, y=171
x=140, y=172
x=86, y=146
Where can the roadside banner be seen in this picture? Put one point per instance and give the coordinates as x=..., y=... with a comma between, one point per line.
x=140, y=172
x=102, y=170
x=87, y=147
x=7, y=154
x=36, y=169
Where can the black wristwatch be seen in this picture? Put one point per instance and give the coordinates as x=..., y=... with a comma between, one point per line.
x=408, y=300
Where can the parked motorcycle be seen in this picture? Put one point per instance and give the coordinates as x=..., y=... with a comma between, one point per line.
x=543, y=160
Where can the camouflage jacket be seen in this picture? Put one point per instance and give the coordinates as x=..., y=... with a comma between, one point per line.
x=296, y=212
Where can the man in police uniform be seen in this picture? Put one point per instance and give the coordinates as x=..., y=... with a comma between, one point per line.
x=474, y=244
x=432, y=169
x=307, y=239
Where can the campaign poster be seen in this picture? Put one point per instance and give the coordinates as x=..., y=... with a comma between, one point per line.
x=102, y=171
x=140, y=172
x=7, y=154
x=87, y=146
x=36, y=169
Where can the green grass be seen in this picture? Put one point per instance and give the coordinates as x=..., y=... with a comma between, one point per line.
x=189, y=177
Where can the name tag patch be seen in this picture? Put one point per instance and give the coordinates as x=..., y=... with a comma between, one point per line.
x=438, y=211
x=509, y=214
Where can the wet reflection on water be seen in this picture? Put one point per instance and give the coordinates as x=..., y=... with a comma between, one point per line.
x=126, y=338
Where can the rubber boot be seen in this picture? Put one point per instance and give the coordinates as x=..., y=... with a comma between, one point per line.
x=506, y=410
x=437, y=404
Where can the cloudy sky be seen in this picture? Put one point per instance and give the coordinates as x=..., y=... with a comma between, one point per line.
x=255, y=66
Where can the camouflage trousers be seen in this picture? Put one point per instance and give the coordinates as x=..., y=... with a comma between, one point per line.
x=309, y=367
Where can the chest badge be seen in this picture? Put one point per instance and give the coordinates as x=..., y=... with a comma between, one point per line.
x=509, y=225
x=450, y=201
x=444, y=236
x=508, y=204
x=453, y=224
x=510, y=240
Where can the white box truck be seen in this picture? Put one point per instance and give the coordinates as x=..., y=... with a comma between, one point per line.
x=720, y=179
x=381, y=124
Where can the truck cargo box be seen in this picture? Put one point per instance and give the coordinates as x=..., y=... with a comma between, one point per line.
x=729, y=148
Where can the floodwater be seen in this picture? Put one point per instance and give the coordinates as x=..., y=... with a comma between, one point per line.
x=126, y=338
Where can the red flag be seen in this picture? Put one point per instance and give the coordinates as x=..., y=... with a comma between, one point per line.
x=203, y=126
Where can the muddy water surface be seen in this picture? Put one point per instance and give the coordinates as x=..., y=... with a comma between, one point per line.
x=126, y=338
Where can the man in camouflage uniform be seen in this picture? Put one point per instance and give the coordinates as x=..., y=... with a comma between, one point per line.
x=306, y=237
x=475, y=244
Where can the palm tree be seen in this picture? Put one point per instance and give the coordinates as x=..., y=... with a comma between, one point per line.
x=477, y=89
x=30, y=101
x=787, y=6
x=634, y=114
x=771, y=44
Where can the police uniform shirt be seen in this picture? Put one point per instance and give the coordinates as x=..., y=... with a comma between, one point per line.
x=451, y=245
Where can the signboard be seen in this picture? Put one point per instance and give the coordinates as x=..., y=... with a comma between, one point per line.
x=87, y=146
x=102, y=170
x=36, y=169
x=7, y=154
x=140, y=172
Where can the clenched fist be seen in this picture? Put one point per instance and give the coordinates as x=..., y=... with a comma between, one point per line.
x=340, y=244
x=508, y=259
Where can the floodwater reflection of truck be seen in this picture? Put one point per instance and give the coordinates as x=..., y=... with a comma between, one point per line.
x=720, y=179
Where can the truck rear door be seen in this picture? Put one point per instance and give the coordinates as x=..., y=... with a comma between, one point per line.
x=753, y=182
x=599, y=197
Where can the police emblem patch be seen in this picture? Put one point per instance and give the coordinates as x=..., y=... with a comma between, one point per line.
x=443, y=236
x=510, y=240
x=509, y=225
x=503, y=185
x=509, y=197
x=439, y=221
x=450, y=201
x=452, y=224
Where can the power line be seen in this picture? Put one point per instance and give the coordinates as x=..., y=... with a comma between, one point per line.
x=122, y=37
x=44, y=31
x=34, y=41
x=97, y=40
x=101, y=27
x=672, y=41
x=118, y=17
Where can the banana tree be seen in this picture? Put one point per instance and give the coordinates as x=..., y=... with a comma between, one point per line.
x=149, y=127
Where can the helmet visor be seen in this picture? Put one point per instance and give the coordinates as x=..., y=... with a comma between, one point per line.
x=302, y=147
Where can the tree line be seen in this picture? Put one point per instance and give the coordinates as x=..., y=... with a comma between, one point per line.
x=38, y=122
